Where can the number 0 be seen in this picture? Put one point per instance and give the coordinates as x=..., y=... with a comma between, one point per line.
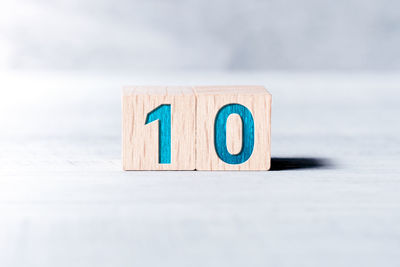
x=220, y=134
x=163, y=114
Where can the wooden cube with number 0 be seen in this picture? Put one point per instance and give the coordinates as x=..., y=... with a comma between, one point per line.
x=233, y=129
x=158, y=128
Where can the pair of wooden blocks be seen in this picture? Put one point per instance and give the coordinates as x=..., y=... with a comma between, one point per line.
x=196, y=128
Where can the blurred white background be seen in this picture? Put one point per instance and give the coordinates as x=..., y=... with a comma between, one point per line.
x=200, y=34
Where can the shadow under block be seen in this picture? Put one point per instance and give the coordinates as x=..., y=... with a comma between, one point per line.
x=254, y=102
x=152, y=114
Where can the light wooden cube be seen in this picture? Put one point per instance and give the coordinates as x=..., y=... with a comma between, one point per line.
x=152, y=117
x=227, y=141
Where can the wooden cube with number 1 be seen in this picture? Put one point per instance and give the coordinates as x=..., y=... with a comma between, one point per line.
x=158, y=128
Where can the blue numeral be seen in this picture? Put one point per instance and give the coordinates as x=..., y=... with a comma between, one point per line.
x=163, y=114
x=247, y=137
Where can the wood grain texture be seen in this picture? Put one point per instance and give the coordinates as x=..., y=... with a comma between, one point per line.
x=140, y=144
x=210, y=99
x=234, y=134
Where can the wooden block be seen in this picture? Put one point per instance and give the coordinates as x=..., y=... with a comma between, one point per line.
x=233, y=128
x=158, y=128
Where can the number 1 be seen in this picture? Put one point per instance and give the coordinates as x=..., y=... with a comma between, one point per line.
x=163, y=114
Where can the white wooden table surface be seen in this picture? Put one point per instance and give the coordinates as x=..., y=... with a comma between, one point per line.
x=332, y=199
